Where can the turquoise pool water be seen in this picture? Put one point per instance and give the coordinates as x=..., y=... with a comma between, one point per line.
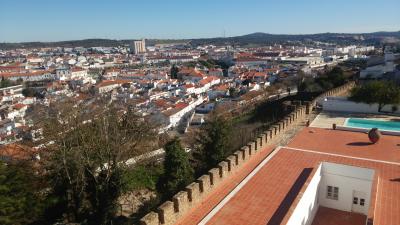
x=364, y=123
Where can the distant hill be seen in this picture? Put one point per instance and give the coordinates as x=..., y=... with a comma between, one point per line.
x=341, y=38
x=66, y=44
x=259, y=38
x=87, y=43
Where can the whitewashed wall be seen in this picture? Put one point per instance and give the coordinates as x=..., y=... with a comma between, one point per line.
x=307, y=207
x=348, y=179
x=340, y=104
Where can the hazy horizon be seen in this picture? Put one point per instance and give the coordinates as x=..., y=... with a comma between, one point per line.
x=150, y=38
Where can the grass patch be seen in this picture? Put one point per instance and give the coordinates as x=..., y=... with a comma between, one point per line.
x=143, y=176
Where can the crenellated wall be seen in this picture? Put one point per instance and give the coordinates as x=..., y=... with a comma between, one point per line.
x=170, y=211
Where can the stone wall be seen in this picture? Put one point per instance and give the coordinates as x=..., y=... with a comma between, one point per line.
x=169, y=212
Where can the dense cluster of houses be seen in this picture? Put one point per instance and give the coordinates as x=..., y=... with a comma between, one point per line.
x=145, y=80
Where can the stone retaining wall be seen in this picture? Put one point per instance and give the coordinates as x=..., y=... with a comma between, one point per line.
x=170, y=211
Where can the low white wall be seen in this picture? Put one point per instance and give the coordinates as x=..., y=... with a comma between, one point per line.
x=340, y=104
x=307, y=207
x=347, y=179
x=365, y=130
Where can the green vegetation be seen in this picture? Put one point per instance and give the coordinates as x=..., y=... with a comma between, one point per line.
x=324, y=82
x=142, y=176
x=233, y=92
x=174, y=72
x=380, y=92
x=178, y=170
x=29, y=92
x=8, y=83
x=20, y=202
x=215, y=141
x=84, y=166
x=210, y=63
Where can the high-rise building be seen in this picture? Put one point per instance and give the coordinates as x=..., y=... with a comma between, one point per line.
x=139, y=46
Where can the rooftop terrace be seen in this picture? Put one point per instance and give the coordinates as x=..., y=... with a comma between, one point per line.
x=268, y=188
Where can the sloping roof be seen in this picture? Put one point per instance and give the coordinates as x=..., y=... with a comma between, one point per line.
x=16, y=152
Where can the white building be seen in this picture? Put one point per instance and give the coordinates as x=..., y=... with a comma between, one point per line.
x=376, y=71
x=63, y=73
x=336, y=186
x=139, y=46
x=309, y=61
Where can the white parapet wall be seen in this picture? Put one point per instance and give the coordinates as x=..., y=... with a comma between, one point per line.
x=350, y=182
x=366, y=130
x=307, y=207
x=342, y=104
x=348, y=179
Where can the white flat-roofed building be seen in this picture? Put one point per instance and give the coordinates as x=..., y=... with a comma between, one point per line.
x=310, y=61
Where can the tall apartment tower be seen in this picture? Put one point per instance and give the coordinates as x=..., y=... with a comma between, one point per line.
x=139, y=46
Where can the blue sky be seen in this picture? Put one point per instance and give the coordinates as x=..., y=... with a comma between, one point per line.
x=55, y=20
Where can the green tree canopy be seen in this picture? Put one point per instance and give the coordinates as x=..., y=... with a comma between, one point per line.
x=20, y=201
x=336, y=76
x=324, y=82
x=380, y=92
x=85, y=163
x=178, y=170
x=5, y=82
x=174, y=72
x=215, y=140
x=29, y=92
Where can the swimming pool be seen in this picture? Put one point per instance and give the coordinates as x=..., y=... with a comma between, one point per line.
x=366, y=123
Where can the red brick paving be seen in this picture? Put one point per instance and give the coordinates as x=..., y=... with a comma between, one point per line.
x=258, y=201
x=214, y=197
x=327, y=216
x=347, y=143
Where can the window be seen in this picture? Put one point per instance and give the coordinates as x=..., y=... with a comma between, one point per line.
x=355, y=200
x=362, y=201
x=332, y=193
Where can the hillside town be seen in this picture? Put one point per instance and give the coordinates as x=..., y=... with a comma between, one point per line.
x=165, y=114
x=204, y=112
x=172, y=85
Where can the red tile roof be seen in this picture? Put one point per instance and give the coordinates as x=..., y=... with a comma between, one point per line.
x=111, y=82
x=19, y=106
x=181, y=105
x=16, y=152
x=77, y=69
x=36, y=73
x=207, y=80
x=190, y=72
